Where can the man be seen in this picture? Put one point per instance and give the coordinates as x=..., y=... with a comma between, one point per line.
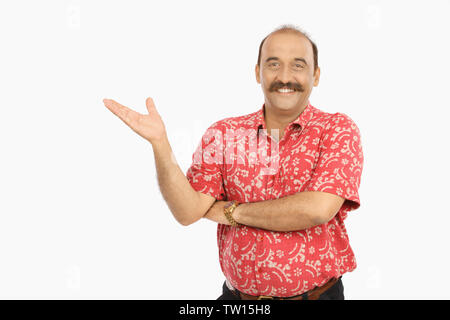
x=279, y=182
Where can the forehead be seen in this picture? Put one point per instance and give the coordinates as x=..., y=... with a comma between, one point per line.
x=287, y=45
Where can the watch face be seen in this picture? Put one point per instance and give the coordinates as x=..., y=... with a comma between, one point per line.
x=229, y=204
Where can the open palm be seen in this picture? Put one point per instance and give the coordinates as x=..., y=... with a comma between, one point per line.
x=149, y=126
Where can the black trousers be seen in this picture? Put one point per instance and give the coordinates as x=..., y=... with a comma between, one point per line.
x=336, y=292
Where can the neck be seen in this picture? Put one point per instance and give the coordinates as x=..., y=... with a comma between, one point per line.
x=278, y=118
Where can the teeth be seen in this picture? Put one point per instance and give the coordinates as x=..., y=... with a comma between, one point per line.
x=285, y=90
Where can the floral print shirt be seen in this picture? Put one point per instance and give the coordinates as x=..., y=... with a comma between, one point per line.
x=237, y=160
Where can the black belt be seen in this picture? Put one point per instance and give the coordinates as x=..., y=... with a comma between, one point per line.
x=313, y=294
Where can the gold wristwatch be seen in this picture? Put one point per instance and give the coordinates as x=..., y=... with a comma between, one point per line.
x=228, y=210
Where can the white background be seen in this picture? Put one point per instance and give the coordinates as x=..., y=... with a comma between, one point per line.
x=81, y=215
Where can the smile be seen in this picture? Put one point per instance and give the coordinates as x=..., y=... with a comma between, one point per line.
x=285, y=92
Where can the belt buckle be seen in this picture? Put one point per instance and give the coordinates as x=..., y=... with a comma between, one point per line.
x=264, y=298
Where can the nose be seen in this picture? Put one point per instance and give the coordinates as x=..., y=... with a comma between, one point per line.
x=284, y=74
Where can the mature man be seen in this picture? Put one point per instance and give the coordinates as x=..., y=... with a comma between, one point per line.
x=279, y=181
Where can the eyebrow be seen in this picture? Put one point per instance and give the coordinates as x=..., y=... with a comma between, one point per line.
x=296, y=59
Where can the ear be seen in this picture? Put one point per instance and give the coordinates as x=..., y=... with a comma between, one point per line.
x=316, y=77
x=258, y=79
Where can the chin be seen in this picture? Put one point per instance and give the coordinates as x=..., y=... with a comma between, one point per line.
x=282, y=104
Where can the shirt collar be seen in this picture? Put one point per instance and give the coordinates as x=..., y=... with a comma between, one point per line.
x=301, y=120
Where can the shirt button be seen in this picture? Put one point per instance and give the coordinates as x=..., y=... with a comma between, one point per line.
x=259, y=270
x=260, y=237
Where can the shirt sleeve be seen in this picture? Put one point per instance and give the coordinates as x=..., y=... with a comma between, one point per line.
x=205, y=173
x=340, y=162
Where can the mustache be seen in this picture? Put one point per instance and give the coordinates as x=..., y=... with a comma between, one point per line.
x=293, y=86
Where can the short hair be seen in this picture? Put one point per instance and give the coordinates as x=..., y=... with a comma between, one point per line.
x=292, y=28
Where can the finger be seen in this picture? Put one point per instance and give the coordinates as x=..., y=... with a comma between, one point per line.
x=150, y=106
x=125, y=114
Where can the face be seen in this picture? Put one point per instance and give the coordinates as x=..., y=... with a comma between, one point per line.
x=287, y=72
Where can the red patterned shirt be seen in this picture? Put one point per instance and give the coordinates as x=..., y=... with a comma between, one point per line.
x=319, y=151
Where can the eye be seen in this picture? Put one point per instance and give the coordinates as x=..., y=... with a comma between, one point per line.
x=299, y=66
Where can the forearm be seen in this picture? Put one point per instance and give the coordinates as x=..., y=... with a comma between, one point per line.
x=181, y=198
x=295, y=212
x=216, y=214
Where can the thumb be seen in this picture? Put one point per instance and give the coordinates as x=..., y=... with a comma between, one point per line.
x=150, y=106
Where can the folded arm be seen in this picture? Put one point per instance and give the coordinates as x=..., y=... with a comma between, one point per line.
x=294, y=212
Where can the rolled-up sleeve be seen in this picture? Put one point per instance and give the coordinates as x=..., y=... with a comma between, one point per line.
x=339, y=166
x=205, y=173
